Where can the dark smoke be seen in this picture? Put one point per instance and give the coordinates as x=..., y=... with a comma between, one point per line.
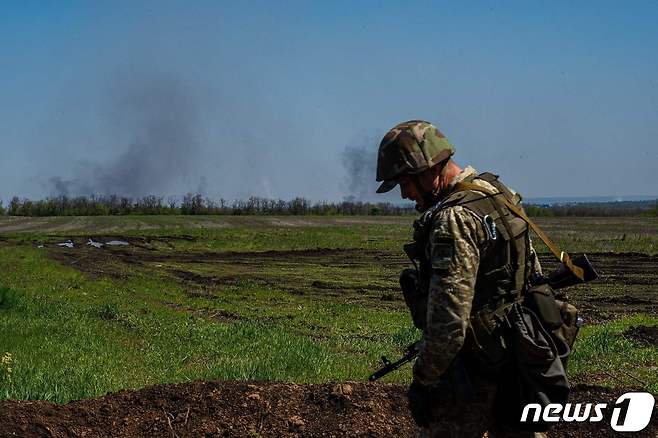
x=60, y=187
x=203, y=186
x=360, y=164
x=160, y=119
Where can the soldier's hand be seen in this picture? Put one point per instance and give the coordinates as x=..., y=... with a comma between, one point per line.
x=420, y=403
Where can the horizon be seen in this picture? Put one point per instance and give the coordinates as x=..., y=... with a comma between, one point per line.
x=538, y=201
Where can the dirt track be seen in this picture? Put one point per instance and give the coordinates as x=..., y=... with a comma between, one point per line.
x=628, y=282
x=214, y=409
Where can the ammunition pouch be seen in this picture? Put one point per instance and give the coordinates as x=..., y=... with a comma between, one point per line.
x=569, y=329
x=414, y=297
x=558, y=317
x=485, y=343
x=541, y=300
x=536, y=372
x=489, y=340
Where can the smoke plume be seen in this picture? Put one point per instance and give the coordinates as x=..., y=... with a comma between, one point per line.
x=60, y=187
x=360, y=163
x=159, y=118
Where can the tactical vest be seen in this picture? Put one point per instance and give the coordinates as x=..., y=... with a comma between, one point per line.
x=504, y=269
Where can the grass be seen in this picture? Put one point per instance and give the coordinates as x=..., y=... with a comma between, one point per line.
x=243, y=233
x=73, y=335
x=603, y=355
x=7, y=298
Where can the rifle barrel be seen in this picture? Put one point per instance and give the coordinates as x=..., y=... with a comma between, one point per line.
x=392, y=366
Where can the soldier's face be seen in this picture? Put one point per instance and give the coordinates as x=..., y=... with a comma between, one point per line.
x=416, y=187
x=408, y=188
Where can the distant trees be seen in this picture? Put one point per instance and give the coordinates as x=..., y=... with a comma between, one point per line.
x=196, y=204
x=86, y=206
x=600, y=209
x=191, y=204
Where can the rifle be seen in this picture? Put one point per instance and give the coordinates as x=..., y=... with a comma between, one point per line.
x=561, y=278
x=564, y=277
x=410, y=354
x=455, y=376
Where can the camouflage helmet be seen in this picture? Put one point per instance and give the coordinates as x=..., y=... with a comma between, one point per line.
x=410, y=148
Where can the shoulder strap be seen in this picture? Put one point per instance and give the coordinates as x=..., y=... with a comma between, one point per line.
x=560, y=255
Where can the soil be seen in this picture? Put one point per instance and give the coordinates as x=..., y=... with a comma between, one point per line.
x=237, y=409
x=261, y=268
x=627, y=282
x=643, y=333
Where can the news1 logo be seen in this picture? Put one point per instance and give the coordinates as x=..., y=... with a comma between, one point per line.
x=631, y=412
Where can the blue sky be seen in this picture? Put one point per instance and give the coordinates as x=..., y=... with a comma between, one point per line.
x=263, y=98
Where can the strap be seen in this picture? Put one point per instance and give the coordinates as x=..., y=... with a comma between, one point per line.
x=562, y=256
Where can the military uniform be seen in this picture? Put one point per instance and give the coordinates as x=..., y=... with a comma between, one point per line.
x=458, y=247
x=473, y=258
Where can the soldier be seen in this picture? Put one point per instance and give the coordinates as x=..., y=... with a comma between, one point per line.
x=473, y=258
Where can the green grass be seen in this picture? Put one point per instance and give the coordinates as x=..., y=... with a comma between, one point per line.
x=581, y=234
x=73, y=335
x=7, y=298
x=603, y=355
x=577, y=234
x=68, y=350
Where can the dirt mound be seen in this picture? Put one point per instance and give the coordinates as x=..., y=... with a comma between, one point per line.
x=219, y=409
x=643, y=333
x=214, y=409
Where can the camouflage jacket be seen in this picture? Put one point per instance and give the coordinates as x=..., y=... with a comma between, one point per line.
x=456, y=242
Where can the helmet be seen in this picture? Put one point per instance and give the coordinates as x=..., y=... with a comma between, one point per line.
x=410, y=148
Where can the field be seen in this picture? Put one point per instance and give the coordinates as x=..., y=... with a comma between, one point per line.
x=246, y=324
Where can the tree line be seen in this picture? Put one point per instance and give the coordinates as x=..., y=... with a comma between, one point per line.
x=196, y=204
x=192, y=204
x=599, y=209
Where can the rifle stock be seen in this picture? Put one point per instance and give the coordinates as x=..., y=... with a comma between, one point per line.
x=564, y=277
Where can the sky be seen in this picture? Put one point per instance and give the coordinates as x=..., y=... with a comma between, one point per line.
x=284, y=99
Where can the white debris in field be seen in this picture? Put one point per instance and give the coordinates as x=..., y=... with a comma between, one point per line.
x=95, y=244
x=91, y=242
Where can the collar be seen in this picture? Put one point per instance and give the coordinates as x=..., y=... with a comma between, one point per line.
x=467, y=172
x=461, y=176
